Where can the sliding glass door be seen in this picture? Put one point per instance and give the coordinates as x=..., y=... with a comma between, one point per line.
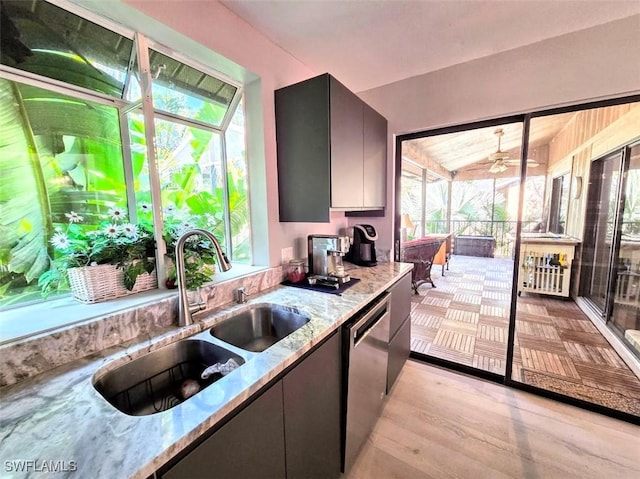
x=459, y=207
x=571, y=238
x=602, y=207
x=624, y=274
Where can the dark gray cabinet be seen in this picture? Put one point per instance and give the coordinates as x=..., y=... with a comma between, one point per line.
x=400, y=328
x=374, y=158
x=291, y=430
x=250, y=445
x=331, y=151
x=312, y=414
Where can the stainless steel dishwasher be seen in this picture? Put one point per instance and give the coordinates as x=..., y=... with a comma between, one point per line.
x=366, y=344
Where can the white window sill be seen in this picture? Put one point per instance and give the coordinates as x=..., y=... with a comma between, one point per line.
x=43, y=318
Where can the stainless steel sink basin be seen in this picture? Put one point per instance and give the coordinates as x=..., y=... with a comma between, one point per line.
x=152, y=383
x=258, y=328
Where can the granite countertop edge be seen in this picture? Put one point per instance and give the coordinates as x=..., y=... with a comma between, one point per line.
x=57, y=420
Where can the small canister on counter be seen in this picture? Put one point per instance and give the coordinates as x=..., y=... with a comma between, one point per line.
x=295, y=270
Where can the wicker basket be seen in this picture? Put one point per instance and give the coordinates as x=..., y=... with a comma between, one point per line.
x=93, y=284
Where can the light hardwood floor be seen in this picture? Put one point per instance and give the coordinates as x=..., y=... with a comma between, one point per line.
x=440, y=424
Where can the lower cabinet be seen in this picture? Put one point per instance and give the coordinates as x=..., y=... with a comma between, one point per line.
x=400, y=329
x=251, y=445
x=399, y=349
x=312, y=414
x=292, y=430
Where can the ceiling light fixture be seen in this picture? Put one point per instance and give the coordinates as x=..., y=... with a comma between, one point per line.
x=498, y=166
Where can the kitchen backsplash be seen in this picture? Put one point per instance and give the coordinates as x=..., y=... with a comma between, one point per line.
x=34, y=355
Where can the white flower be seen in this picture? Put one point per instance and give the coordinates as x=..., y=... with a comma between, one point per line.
x=74, y=217
x=169, y=210
x=145, y=207
x=60, y=241
x=111, y=230
x=130, y=230
x=118, y=213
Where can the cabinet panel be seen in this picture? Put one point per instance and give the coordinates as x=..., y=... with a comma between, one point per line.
x=399, y=349
x=302, y=134
x=312, y=414
x=346, y=147
x=374, y=158
x=249, y=445
x=400, y=303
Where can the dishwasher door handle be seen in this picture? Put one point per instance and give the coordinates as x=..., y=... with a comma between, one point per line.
x=360, y=336
x=370, y=320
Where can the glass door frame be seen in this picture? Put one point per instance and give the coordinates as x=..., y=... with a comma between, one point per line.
x=585, y=289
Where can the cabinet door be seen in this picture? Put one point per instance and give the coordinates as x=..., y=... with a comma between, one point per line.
x=302, y=134
x=312, y=414
x=251, y=445
x=374, y=158
x=400, y=303
x=347, y=171
x=399, y=349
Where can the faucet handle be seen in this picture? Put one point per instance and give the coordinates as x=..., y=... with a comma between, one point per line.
x=241, y=295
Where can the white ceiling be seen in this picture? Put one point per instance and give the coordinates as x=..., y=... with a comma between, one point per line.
x=369, y=43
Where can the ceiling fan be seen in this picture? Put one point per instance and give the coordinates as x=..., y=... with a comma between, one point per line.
x=500, y=159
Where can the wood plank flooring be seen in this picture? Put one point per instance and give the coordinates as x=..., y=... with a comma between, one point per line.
x=465, y=319
x=439, y=424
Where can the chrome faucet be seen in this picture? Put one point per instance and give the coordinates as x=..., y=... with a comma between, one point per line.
x=186, y=309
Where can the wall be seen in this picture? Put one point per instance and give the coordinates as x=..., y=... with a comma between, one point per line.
x=589, y=135
x=600, y=62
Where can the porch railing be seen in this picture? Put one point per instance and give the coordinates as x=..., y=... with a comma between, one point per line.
x=503, y=231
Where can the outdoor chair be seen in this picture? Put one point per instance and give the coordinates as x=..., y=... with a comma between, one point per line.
x=420, y=252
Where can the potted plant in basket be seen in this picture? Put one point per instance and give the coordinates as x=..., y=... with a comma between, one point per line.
x=101, y=261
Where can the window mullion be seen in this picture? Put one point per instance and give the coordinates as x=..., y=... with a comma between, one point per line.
x=132, y=63
x=154, y=176
x=172, y=117
x=225, y=189
x=57, y=86
x=128, y=166
x=228, y=117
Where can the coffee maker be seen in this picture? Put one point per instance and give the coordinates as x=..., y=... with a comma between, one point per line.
x=325, y=257
x=363, y=249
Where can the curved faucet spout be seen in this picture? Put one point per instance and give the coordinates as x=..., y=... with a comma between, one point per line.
x=185, y=309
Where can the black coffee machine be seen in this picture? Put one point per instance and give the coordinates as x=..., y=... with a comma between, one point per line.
x=363, y=249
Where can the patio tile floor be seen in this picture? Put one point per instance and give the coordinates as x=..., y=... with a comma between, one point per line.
x=465, y=319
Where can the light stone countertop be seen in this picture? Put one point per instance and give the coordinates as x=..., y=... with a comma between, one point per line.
x=57, y=419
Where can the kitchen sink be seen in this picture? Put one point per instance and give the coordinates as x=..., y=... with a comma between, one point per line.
x=155, y=382
x=260, y=327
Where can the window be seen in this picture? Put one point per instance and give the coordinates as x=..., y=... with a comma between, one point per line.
x=74, y=146
x=559, y=204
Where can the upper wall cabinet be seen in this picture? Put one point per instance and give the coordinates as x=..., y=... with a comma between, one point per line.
x=332, y=151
